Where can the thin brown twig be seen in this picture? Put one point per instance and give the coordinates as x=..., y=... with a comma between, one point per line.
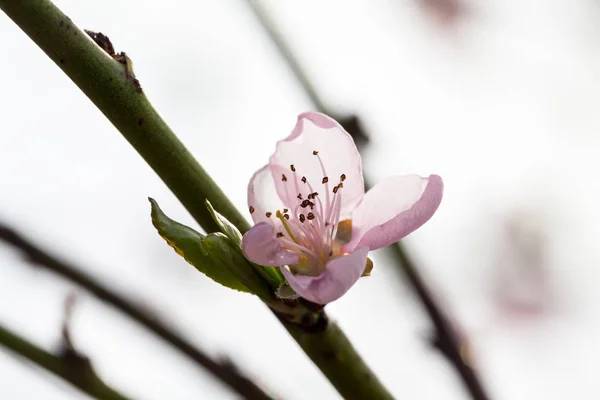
x=446, y=338
x=68, y=364
x=224, y=371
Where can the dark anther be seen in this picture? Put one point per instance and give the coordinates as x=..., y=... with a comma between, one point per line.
x=310, y=216
x=325, y=180
x=303, y=179
x=343, y=177
x=268, y=214
x=304, y=203
x=283, y=177
x=251, y=209
x=285, y=210
x=299, y=196
x=302, y=218
x=286, y=216
x=279, y=234
x=315, y=152
x=293, y=168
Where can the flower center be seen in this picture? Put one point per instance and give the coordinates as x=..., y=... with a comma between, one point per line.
x=309, y=227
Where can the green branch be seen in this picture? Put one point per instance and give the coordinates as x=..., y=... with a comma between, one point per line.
x=68, y=365
x=108, y=84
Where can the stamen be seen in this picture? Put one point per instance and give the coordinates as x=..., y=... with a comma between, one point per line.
x=307, y=251
x=336, y=215
x=283, y=218
x=251, y=209
x=327, y=210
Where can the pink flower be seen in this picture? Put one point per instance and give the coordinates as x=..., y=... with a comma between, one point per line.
x=299, y=198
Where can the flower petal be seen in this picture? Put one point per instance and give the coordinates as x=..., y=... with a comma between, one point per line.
x=336, y=149
x=261, y=246
x=262, y=196
x=340, y=275
x=394, y=208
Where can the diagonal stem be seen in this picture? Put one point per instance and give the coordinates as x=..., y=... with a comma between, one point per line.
x=226, y=372
x=109, y=86
x=446, y=340
x=68, y=365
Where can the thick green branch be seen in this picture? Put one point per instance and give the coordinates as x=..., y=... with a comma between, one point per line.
x=68, y=365
x=107, y=84
x=333, y=353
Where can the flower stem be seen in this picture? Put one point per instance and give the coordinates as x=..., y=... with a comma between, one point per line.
x=72, y=368
x=110, y=87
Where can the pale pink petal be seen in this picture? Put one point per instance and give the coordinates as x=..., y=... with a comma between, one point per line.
x=336, y=149
x=394, y=208
x=261, y=246
x=340, y=275
x=288, y=186
x=262, y=196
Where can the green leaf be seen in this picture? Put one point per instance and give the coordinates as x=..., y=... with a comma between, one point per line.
x=224, y=252
x=226, y=227
x=272, y=274
x=192, y=246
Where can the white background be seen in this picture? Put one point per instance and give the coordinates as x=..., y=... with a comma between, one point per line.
x=502, y=104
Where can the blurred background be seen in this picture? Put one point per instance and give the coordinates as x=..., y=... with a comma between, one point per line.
x=497, y=97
